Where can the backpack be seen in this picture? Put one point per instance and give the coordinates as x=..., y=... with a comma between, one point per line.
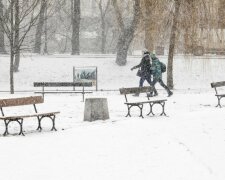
x=163, y=67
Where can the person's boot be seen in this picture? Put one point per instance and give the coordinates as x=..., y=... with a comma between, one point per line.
x=151, y=94
x=155, y=91
x=170, y=93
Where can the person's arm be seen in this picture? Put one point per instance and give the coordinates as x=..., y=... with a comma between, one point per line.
x=139, y=65
x=152, y=67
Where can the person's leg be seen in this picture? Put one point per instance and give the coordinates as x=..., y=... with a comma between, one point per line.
x=149, y=80
x=153, y=86
x=141, y=82
x=165, y=87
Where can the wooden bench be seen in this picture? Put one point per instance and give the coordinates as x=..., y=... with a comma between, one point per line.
x=33, y=100
x=216, y=85
x=63, y=84
x=140, y=104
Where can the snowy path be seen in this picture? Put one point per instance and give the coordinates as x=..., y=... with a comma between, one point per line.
x=187, y=145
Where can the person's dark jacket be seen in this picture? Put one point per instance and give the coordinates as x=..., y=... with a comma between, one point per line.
x=144, y=65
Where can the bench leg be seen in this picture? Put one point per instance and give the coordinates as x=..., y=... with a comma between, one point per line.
x=20, y=122
x=151, y=108
x=141, y=108
x=151, y=111
x=128, y=110
x=52, y=117
x=130, y=106
x=39, y=124
x=21, y=126
x=163, y=109
x=53, y=123
x=219, y=105
x=6, y=127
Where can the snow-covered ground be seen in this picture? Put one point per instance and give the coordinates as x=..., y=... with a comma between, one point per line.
x=188, y=144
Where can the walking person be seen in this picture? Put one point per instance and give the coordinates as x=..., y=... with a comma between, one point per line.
x=145, y=69
x=157, y=75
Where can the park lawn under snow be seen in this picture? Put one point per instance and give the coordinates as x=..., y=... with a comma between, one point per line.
x=188, y=144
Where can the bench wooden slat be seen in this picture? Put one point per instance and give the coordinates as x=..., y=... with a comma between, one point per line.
x=62, y=84
x=222, y=95
x=150, y=101
x=28, y=116
x=217, y=84
x=134, y=90
x=21, y=101
x=45, y=92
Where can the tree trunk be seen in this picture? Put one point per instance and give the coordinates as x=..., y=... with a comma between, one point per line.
x=16, y=62
x=122, y=47
x=103, y=36
x=2, y=38
x=221, y=14
x=11, y=47
x=172, y=45
x=46, y=33
x=39, y=30
x=17, y=34
x=75, y=27
x=187, y=43
x=103, y=24
x=149, y=40
x=11, y=71
x=127, y=34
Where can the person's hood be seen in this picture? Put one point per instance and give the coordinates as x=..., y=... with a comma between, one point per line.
x=153, y=57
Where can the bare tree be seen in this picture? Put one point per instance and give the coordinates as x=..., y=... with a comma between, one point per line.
x=39, y=29
x=155, y=17
x=76, y=16
x=126, y=31
x=63, y=30
x=149, y=24
x=103, y=12
x=17, y=37
x=16, y=23
x=46, y=31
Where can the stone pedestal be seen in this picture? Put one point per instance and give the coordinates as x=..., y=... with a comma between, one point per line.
x=96, y=109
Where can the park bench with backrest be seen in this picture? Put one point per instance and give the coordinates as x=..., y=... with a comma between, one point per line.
x=140, y=103
x=22, y=101
x=63, y=84
x=219, y=96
